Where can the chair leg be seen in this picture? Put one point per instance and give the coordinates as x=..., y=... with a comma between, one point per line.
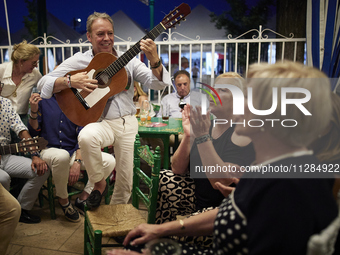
x=109, y=192
x=86, y=237
x=97, y=247
x=41, y=198
x=92, y=245
x=51, y=197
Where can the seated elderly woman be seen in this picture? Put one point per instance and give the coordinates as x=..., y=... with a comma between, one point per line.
x=267, y=214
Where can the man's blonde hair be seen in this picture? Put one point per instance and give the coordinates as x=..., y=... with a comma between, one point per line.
x=94, y=16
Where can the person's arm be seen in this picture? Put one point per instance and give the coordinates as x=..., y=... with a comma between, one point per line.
x=209, y=156
x=33, y=117
x=181, y=158
x=149, y=47
x=37, y=163
x=57, y=80
x=201, y=224
x=75, y=169
x=79, y=81
x=158, y=78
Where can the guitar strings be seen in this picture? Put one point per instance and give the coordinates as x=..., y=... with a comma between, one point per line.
x=116, y=66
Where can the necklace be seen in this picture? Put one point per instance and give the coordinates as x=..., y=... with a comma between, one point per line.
x=16, y=74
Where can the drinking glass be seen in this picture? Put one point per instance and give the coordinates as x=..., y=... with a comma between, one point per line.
x=165, y=109
x=143, y=117
x=146, y=106
x=137, y=109
x=144, y=111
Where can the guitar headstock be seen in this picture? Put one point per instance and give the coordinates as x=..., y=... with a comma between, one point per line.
x=32, y=144
x=176, y=16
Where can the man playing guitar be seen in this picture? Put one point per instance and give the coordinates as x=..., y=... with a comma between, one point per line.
x=117, y=125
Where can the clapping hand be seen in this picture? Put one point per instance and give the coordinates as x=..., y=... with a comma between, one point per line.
x=200, y=124
x=186, y=120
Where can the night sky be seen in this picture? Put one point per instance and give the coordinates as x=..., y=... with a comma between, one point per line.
x=67, y=10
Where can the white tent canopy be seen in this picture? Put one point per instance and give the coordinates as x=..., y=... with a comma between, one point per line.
x=55, y=28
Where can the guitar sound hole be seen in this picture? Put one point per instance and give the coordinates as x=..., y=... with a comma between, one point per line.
x=103, y=79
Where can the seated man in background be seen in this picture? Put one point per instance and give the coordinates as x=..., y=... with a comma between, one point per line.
x=34, y=170
x=63, y=154
x=179, y=98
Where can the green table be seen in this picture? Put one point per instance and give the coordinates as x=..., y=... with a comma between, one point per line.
x=174, y=127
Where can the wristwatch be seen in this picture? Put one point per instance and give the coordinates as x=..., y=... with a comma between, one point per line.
x=77, y=160
x=35, y=153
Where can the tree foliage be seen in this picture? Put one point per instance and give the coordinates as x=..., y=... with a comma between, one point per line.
x=291, y=18
x=242, y=17
x=31, y=20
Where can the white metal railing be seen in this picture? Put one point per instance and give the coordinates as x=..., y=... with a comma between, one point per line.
x=213, y=56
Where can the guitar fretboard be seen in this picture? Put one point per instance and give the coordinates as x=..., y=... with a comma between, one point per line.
x=114, y=68
x=9, y=149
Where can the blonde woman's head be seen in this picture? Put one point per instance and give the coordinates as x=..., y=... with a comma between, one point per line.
x=24, y=51
x=263, y=78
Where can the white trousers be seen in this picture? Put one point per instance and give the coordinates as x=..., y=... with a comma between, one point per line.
x=13, y=166
x=60, y=162
x=121, y=134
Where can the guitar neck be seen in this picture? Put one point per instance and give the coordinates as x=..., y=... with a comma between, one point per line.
x=112, y=69
x=9, y=149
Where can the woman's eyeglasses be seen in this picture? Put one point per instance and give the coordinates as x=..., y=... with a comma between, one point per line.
x=35, y=63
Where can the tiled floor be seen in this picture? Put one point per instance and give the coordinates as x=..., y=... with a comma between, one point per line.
x=49, y=237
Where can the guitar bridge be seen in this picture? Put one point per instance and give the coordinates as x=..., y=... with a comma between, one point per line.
x=80, y=98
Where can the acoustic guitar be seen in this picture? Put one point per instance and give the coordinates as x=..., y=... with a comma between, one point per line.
x=32, y=144
x=82, y=107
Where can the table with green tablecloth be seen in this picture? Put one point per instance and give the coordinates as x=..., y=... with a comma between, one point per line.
x=154, y=129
